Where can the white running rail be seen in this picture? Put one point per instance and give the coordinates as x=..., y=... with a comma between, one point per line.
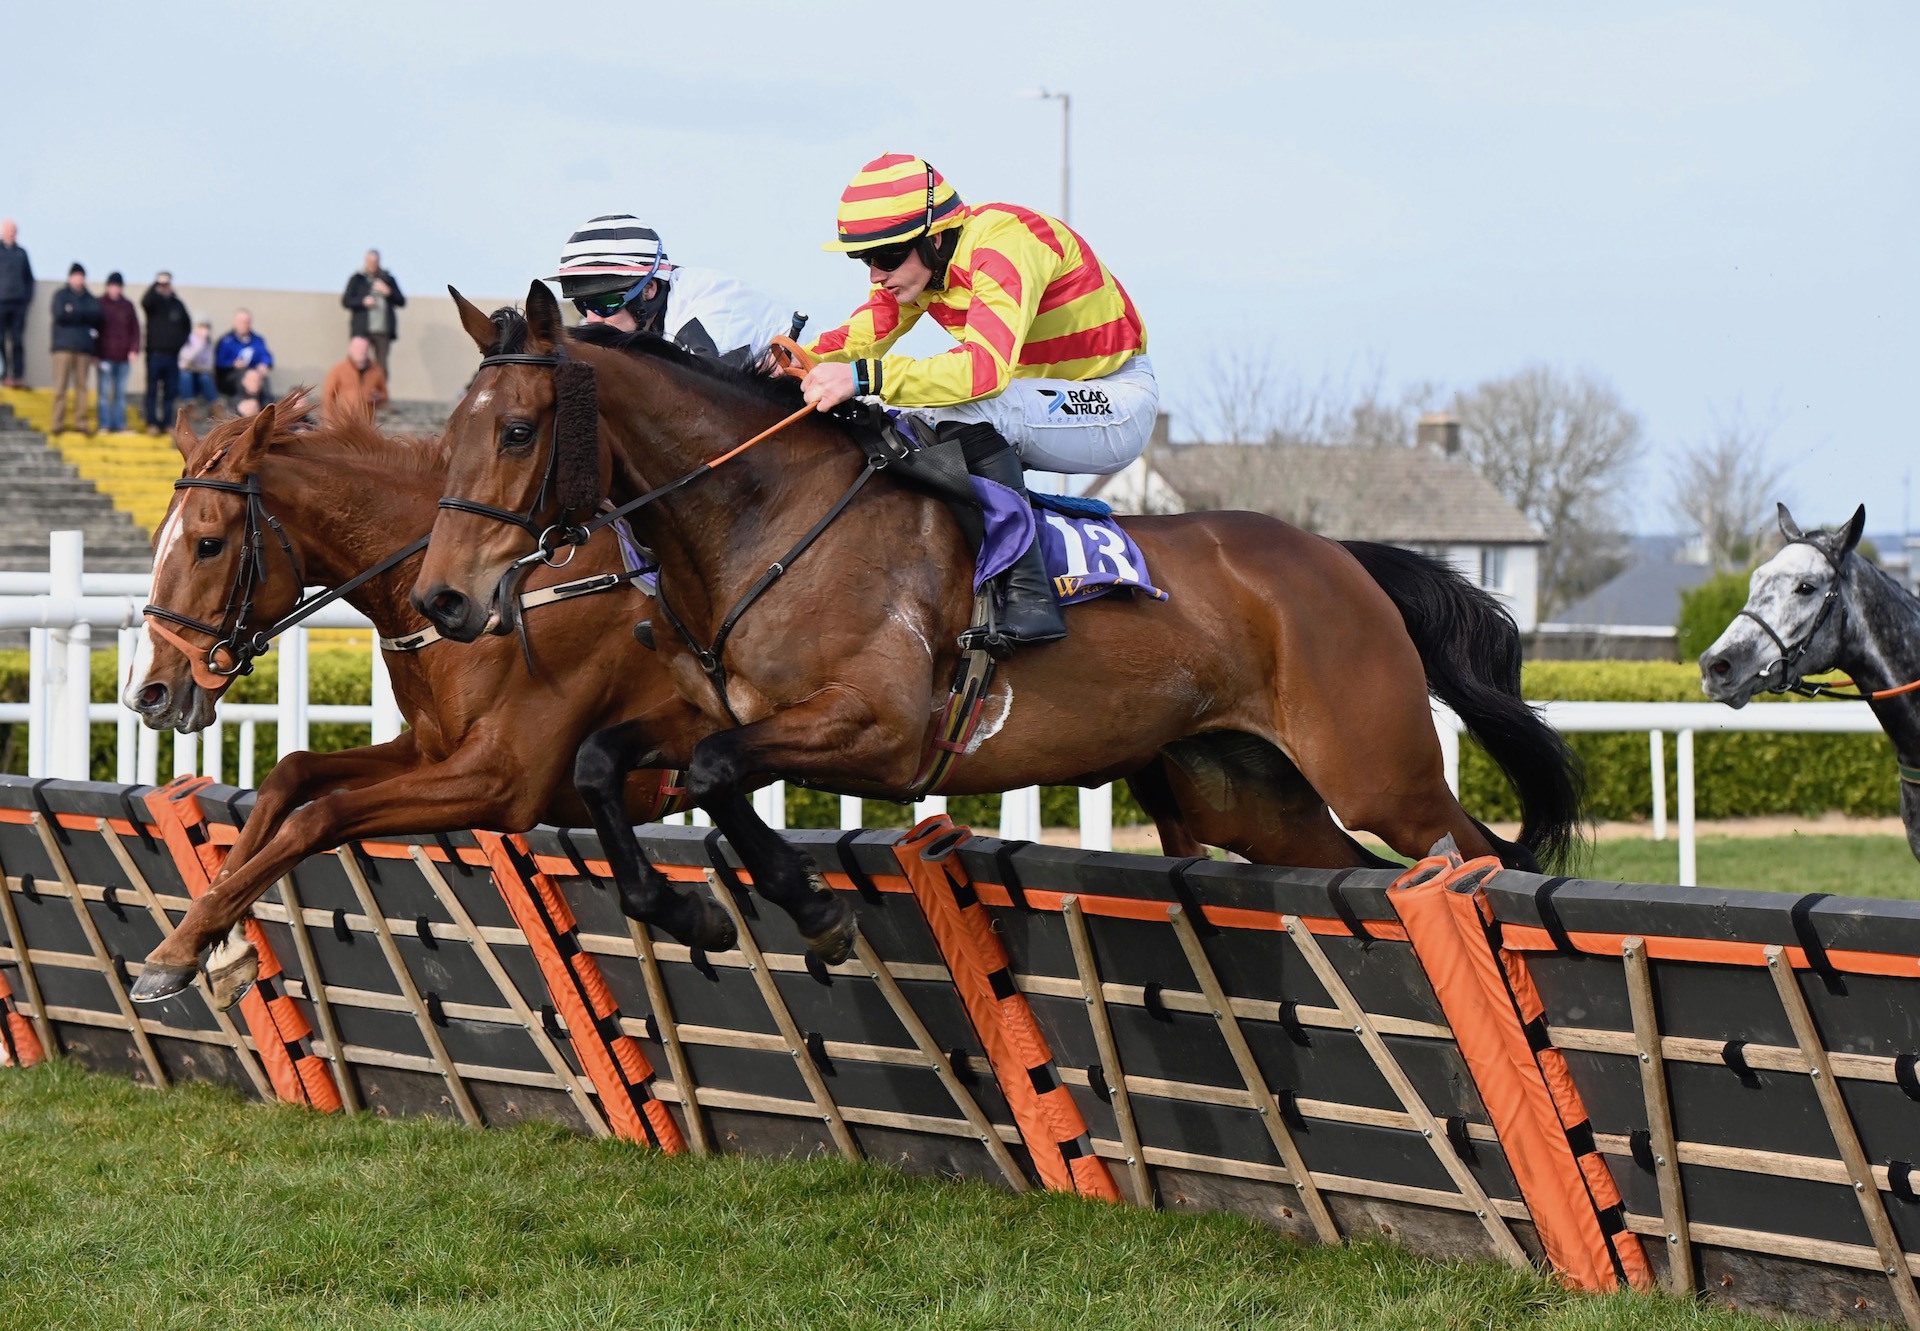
x=64, y=608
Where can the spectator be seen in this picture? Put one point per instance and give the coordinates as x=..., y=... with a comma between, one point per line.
x=196, y=367
x=168, y=324
x=356, y=388
x=76, y=336
x=119, y=344
x=373, y=295
x=240, y=349
x=16, y=297
x=251, y=392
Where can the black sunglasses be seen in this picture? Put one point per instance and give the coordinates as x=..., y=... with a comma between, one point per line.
x=606, y=304
x=886, y=257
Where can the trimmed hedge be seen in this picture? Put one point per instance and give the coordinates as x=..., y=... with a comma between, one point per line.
x=1705, y=612
x=1736, y=775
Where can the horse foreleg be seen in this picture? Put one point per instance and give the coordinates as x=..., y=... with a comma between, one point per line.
x=600, y=775
x=295, y=779
x=475, y=787
x=832, y=733
x=301, y=775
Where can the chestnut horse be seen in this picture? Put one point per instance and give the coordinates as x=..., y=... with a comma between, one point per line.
x=490, y=744
x=1279, y=682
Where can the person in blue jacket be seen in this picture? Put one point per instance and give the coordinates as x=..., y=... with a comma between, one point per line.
x=239, y=350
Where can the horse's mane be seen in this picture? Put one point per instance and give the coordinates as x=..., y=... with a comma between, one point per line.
x=412, y=452
x=421, y=454
x=774, y=390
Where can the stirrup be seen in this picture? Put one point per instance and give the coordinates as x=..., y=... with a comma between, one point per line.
x=986, y=636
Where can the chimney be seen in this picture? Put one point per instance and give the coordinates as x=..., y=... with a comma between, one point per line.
x=1162, y=430
x=1439, y=431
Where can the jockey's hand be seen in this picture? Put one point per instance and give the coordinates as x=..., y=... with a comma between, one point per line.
x=828, y=384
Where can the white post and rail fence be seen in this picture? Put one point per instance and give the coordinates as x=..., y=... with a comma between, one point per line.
x=67, y=611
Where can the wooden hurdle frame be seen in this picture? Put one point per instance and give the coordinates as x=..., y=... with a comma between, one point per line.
x=1067, y=975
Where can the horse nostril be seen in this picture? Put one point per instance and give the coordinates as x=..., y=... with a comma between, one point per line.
x=152, y=698
x=1722, y=667
x=447, y=603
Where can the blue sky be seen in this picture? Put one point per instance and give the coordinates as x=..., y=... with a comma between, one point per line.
x=1712, y=205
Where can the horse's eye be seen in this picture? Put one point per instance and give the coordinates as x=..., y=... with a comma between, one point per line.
x=1805, y=589
x=518, y=434
x=208, y=546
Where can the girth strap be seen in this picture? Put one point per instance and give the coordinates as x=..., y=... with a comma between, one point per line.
x=709, y=657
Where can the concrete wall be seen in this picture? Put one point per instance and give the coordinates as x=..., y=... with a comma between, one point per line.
x=307, y=330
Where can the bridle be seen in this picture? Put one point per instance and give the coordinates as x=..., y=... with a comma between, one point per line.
x=567, y=535
x=1779, y=676
x=554, y=537
x=235, y=646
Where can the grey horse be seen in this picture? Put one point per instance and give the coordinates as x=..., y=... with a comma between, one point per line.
x=1812, y=608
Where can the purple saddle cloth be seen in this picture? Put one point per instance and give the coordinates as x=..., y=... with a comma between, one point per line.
x=1087, y=553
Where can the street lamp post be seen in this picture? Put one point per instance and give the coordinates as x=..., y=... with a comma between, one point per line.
x=1066, y=147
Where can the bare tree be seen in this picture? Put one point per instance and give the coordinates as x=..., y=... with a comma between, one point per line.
x=1560, y=447
x=1725, y=487
x=1249, y=397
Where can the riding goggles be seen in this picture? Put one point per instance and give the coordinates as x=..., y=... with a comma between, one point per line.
x=887, y=257
x=606, y=304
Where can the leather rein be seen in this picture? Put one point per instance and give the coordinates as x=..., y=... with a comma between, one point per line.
x=566, y=534
x=235, y=647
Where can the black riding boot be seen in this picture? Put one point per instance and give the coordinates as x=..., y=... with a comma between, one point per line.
x=1029, y=611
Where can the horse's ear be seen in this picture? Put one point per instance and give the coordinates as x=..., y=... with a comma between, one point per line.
x=543, y=315
x=184, y=438
x=1788, y=527
x=474, y=320
x=1850, y=534
x=245, y=453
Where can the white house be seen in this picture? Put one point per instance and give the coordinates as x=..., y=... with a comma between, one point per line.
x=1422, y=498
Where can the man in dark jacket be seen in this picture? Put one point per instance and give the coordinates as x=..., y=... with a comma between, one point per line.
x=373, y=295
x=168, y=325
x=76, y=336
x=119, y=344
x=16, y=295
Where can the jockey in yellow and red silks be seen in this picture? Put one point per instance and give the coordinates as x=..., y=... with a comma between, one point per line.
x=1051, y=368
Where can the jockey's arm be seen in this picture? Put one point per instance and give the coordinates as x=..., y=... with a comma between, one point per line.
x=869, y=330
x=1007, y=283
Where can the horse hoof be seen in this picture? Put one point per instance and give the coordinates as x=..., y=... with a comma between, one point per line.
x=719, y=933
x=231, y=971
x=156, y=982
x=834, y=944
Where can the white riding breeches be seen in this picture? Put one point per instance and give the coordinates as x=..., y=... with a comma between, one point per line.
x=1075, y=426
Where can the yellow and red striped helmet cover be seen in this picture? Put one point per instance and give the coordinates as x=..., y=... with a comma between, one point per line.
x=892, y=199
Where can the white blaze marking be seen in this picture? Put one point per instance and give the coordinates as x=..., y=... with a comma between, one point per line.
x=172, y=532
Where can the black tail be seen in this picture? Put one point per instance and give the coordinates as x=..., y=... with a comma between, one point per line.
x=1470, y=648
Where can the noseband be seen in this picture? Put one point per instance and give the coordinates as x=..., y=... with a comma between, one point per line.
x=1778, y=677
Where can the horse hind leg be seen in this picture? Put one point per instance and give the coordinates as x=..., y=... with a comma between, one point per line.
x=1241, y=793
x=600, y=772
x=1153, y=790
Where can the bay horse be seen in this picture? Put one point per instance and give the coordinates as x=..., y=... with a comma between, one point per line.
x=1818, y=606
x=490, y=742
x=1279, y=682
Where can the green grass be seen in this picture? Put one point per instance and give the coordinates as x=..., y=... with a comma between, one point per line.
x=192, y=1209
x=1853, y=866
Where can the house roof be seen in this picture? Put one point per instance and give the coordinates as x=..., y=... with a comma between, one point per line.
x=1646, y=592
x=1402, y=495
